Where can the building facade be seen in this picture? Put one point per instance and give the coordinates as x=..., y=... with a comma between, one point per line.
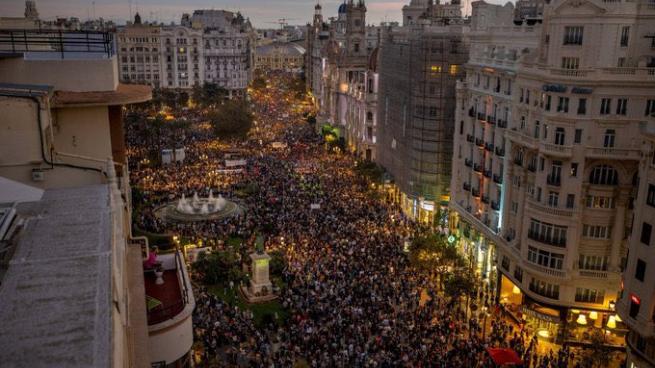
x=419, y=67
x=280, y=56
x=637, y=303
x=556, y=205
x=211, y=46
x=341, y=70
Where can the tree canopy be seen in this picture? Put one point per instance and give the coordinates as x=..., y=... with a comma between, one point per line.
x=232, y=119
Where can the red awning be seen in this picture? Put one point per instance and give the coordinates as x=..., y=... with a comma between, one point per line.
x=504, y=357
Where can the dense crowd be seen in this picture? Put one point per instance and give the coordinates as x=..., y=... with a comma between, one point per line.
x=353, y=298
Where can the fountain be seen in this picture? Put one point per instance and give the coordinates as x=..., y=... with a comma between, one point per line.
x=198, y=208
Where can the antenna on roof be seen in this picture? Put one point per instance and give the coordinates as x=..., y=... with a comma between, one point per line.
x=129, y=2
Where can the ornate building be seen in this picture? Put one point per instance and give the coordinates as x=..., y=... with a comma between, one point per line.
x=341, y=69
x=547, y=152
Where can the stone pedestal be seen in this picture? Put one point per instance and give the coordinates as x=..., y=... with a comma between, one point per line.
x=260, y=288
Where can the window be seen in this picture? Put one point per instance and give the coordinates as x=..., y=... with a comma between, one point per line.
x=646, y=230
x=609, y=138
x=621, y=106
x=553, y=199
x=650, y=104
x=570, y=63
x=549, y=100
x=600, y=202
x=547, y=233
x=596, y=232
x=505, y=263
x=650, y=198
x=578, y=136
x=593, y=263
x=518, y=273
x=604, y=175
x=544, y=289
x=640, y=270
x=546, y=259
x=573, y=35
x=605, y=106
x=563, y=104
x=589, y=296
x=559, y=136
x=634, y=305
x=625, y=36
x=574, y=169
x=570, y=201
x=582, y=106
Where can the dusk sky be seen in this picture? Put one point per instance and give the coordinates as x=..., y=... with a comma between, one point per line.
x=261, y=12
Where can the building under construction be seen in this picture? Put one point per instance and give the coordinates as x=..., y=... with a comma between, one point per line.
x=419, y=67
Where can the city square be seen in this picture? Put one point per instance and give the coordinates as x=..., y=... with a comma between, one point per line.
x=338, y=183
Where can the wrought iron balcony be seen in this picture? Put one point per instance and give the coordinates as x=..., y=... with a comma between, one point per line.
x=475, y=192
x=468, y=162
x=477, y=168
x=467, y=187
x=469, y=138
x=481, y=116
x=498, y=179
x=500, y=151
x=485, y=199
x=487, y=173
x=501, y=123
x=489, y=147
x=479, y=142
x=495, y=206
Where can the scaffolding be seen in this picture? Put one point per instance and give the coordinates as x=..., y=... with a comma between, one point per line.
x=419, y=68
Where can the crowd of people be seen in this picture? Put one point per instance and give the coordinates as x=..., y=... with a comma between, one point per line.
x=353, y=297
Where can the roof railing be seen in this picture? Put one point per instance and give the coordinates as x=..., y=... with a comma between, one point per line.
x=64, y=43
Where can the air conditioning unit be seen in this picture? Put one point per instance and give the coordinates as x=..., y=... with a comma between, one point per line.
x=38, y=175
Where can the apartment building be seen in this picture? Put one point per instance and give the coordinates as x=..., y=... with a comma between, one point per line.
x=419, y=67
x=636, y=306
x=140, y=53
x=210, y=46
x=68, y=255
x=557, y=205
x=484, y=108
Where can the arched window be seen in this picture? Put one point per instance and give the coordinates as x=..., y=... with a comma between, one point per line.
x=604, y=175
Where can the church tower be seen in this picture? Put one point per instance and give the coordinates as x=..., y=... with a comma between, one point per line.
x=356, y=28
x=30, y=10
x=318, y=17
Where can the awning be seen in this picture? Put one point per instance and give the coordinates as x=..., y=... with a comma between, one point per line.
x=503, y=357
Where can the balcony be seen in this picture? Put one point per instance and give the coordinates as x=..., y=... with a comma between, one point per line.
x=61, y=44
x=487, y=173
x=469, y=138
x=498, y=179
x=479, y=142
x=545, y=270
x=467, y=187
x=501, y=123
x=593, y=274
x=471, y=112
x=475, y=192
x=518, y=161
x=554, y=180
x=532, y=168
x=169, y=308
x=478, y=168
x=555, y=150
x=521, y=138
x=612, y=153
x=495, y=206
x=491, y=119
x=485, y=199
x=547, y=239
x=481, y=116
x=535, y=205
x=489, y=147
x=500, y=152
x=468, y=162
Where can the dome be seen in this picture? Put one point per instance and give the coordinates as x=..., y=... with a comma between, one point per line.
x=342, y=8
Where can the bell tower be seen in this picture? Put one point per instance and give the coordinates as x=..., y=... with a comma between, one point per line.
x=30, y=10
x=356, y=28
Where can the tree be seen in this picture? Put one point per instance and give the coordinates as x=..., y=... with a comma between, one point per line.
x=459, y=284
x=370, y=170
x=598, y=354
x=169, y=98
x=233, y=119
x=218, y=267
x=259, y=83
x=209, y=94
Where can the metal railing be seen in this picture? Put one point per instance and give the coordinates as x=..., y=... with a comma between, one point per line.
x=56, y=41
